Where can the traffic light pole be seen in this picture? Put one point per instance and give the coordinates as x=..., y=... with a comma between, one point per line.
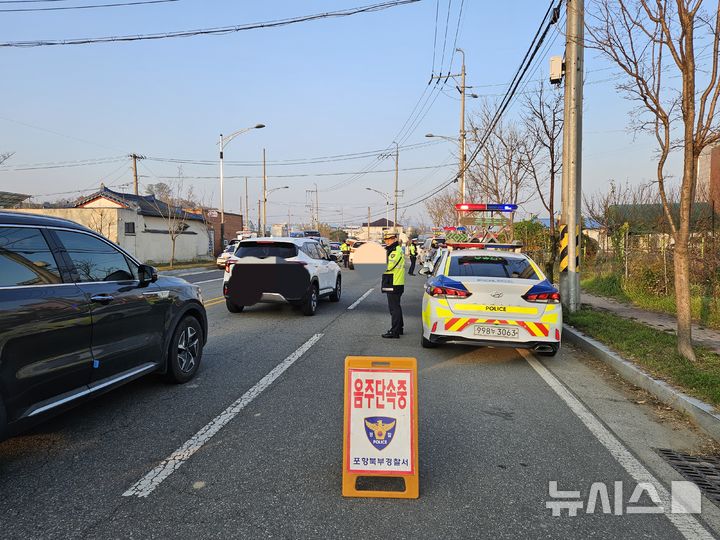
x=571, y=232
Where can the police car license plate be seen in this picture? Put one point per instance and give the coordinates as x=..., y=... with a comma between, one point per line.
x=511, y=332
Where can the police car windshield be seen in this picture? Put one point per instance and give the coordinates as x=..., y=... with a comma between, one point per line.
x=491, y=266
x=261, y=250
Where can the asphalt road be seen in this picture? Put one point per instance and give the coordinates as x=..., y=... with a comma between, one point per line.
x=496, y=427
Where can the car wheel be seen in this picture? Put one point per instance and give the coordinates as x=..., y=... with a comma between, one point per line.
x=337, y=291
x=233, y=308
x=311, y=301
x=185, y=352
x=426, y=343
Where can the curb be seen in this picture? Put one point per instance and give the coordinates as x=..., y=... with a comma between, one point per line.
x=702, y=413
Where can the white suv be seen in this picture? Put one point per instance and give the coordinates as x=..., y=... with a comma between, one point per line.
x=294, y=270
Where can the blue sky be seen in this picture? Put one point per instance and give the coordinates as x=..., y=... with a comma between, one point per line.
x=323, y=88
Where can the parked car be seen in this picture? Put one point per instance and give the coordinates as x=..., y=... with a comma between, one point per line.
x=294, y=270
x=79, y=316
x=493, y=298
x=229, y=250
x=351, y=258
x=335, y=251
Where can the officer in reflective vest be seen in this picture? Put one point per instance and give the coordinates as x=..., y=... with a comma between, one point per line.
x=412, y=252
x=395, y=281
x=345, y=249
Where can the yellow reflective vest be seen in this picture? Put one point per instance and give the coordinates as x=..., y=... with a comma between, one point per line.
x=345, y=248
x=412, y=250
x=396, y=265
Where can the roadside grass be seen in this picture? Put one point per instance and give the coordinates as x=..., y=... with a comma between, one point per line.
x=653, y=350
x=705, y=308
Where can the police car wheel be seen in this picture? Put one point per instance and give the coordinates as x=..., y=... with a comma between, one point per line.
x=311, y=301
x=426, y=343
x=233, y=308
x=337, y=291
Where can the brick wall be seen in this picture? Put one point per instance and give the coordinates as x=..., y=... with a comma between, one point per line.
x=233, y=223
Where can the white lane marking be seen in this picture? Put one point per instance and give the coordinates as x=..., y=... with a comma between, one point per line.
x=147, y=484
x=363, y=297
x=206, y=281
x=686, y=524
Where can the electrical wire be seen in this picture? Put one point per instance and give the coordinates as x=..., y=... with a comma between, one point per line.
x=211, y=31
x=93, y=6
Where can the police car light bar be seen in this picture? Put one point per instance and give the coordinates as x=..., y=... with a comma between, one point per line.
x=480, y=245
x=491, y=207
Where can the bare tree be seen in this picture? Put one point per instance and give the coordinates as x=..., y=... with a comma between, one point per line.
x=543, y=120
x=172, y=209
x=441, y=207
x=101, y=220
x=4, y=156
x=652, y=41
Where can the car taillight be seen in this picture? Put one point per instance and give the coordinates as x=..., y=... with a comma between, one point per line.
x=447, y=291
x=228, y=265
x=543, y=298
x=225, y=289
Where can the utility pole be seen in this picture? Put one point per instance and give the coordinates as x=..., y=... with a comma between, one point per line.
x=462, y=128
x=368, y=224
x=317, y=209
x=222, y=195
x=259, y=217
x=135, y=157
x=397, y=172
x=570, y=229
x=264, y=208
x=247, y=207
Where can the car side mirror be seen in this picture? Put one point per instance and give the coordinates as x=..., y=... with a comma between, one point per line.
x=147, y=274
x=425, y=271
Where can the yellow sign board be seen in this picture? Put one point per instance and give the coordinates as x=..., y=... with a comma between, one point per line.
x=380, y=435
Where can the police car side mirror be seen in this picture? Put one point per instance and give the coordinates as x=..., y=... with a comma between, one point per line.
x=425, y=271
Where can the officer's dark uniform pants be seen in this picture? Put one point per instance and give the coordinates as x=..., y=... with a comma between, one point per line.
x=412, y=265
x=346, y=258
x=396, y=315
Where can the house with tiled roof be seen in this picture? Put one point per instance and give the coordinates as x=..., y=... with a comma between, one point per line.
x=141, y=224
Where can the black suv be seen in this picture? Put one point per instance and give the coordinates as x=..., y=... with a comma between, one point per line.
x=79, y=316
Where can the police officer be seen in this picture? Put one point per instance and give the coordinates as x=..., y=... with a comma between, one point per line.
x=412, y=251
x=345, y=249
x=396, y=270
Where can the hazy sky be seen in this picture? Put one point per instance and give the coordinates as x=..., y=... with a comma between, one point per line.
x=324, y=88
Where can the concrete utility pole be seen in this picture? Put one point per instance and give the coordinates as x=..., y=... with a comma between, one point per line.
x=247, y=207
x=264, y=208
x=397, y=172
x=135, y=157
x=317, y=209
x=368, y=224
x=570, y=228
x=462, y=127
x=259, y=217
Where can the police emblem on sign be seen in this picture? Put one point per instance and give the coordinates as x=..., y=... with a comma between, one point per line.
x=380, y=430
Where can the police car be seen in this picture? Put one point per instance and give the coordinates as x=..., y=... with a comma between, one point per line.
x=490, y=297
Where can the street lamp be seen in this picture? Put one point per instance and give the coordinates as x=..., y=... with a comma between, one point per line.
x=223, y=142
x=265, y=196
x=387, y=204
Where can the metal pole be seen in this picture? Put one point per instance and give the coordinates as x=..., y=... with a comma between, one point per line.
x=247, y=207
x=264, y=206
x=462, y=128
x=387, y=211
x=397, y=172
x=222, y=196
x=572, y=155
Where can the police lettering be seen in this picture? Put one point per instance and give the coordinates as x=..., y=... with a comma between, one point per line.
x=495, y=308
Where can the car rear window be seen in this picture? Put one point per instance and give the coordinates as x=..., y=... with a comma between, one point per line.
x=262, y=250
x=491, y=266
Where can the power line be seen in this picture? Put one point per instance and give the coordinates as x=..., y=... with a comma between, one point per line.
x=211, y=31
x=437, y=10
x=93, y=6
